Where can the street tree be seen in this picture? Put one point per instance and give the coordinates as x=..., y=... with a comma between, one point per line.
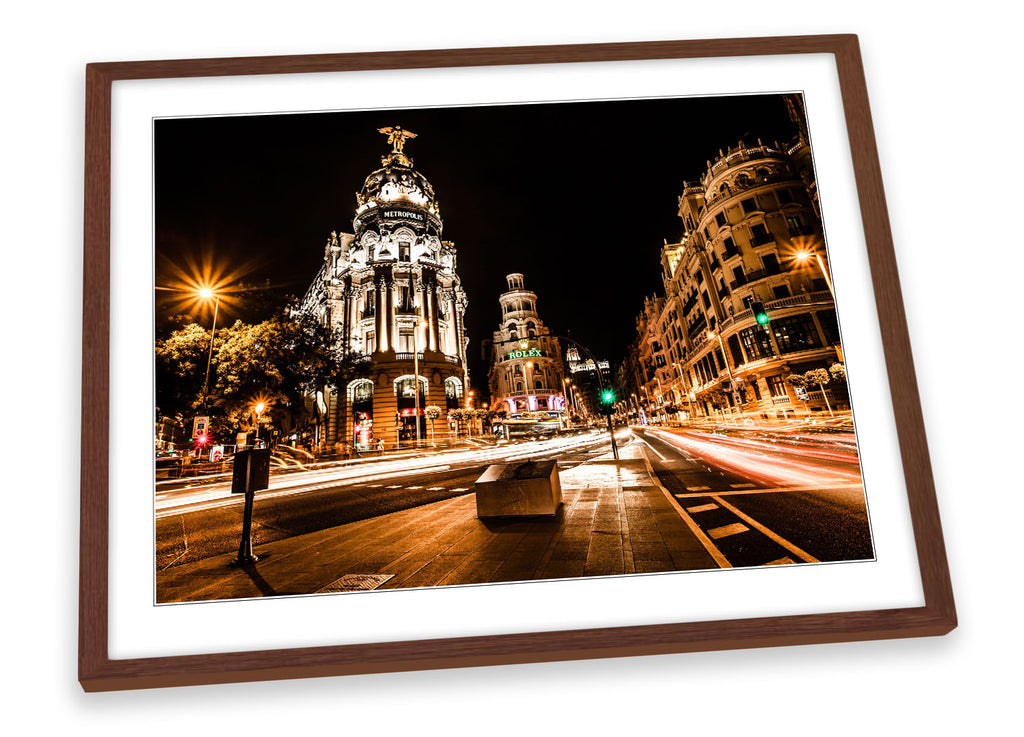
x=432, y=412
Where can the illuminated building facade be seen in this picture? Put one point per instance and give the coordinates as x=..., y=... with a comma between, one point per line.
x=526, y=361
x=586, y=383
x=752, y=234
x=391, y=292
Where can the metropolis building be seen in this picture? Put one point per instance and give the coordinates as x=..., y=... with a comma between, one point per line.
x=526, y=360
x=390, y=291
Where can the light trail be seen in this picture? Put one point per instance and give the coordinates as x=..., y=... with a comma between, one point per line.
x=776, y=446
x=751, y=460
x=219, y=494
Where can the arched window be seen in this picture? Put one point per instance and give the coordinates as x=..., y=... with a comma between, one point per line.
x=538, y=384
x=519, y=386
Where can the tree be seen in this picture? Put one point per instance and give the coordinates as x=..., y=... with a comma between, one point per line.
x=820, y=377
x=838, y=371
x=180, y=366
x=432, y=412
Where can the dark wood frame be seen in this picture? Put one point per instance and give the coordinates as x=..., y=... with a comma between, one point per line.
x=97, y=672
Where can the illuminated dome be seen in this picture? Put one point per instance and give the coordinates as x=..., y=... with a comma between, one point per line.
x=396, y=182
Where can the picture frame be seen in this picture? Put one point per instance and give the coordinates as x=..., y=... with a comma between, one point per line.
x=99, y=671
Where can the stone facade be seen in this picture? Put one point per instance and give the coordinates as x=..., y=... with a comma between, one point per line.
x=391, y=292
x=526, y=361
x=751, y=234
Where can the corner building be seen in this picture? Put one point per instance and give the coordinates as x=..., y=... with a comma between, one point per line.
x=700, y=351
x=526, y=361
x=376, y=288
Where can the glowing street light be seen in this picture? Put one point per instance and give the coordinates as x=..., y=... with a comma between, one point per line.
x=259, y=411
x=206, y=293
x=802, y=257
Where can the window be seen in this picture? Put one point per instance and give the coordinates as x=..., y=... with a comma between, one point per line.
x=796, y=333
x=756, y=343
x=705, y=299
x=760, y=235
x=777, y=387
x=538, y=384
x=771, y=263
x=404, y=247
x=730, y=248
x=781, y=291
x=796, y=226
x=519, y=386
x=749, y=205
x=785, y=196
x=720, y=220
x=829, y=326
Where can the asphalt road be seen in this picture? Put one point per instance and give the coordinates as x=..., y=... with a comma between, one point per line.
x=192, y=524
x=767, y=499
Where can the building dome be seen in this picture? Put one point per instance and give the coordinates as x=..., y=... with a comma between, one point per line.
x=397, y=182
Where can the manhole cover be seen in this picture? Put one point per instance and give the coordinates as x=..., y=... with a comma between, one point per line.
x=356, y=582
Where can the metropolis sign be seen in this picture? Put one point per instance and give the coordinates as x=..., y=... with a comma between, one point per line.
x=407, y=214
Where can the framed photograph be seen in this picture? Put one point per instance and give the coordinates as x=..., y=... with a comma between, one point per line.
x=433, y=359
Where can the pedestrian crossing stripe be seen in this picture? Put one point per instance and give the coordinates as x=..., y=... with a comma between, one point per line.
x=699, y=488
x=702, y=508
x=742, y=486
x=734, y=529
x=787, y=561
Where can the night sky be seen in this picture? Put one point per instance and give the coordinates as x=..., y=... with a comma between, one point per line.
x=578, y=196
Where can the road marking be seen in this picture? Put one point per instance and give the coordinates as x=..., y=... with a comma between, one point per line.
x=806, y=557
x=704, y=540
x=787, y=561
x=654, y=449
x=435, y=488
x=398, y=486
x=742, y=486
x=413, y=488
x=702, y=508
x=775, y=490
x=726, y=530
x=461, y=488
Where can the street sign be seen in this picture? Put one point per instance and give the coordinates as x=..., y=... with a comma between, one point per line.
x=736, y=398
x=801, y=393
x=217, y=453
x=199, y=426
x=240, y=440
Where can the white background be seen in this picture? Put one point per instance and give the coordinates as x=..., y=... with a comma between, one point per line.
x=944, y=97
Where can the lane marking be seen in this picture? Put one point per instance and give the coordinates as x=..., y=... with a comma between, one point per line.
x=461, y=488
x=787, y=561
x=726, y=530
x=806, y=557
x=742, y=486
x=662, y=457
x=413, y=488
x=399, y=486
x=435, y=488
x=702, y=508
x=775, y=490
x=703, y=539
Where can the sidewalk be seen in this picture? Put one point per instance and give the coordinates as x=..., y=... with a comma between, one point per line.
x=616, y=519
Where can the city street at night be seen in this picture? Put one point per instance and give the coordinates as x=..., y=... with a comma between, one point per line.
x=677, y=499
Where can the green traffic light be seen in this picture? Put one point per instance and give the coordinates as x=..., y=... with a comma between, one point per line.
x=762, y=318
x=609, y=397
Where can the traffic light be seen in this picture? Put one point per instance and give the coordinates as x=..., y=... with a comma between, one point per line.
x=607, y=401
x=760, y=313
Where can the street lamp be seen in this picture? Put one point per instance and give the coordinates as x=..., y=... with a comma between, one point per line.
x=205, y=293
x=259, y=411
x=732, y=381
x=416, y=371
x=801, y=257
